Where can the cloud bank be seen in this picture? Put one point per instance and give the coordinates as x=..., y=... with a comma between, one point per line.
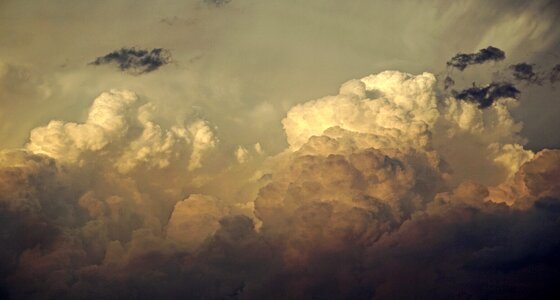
x=389, y=188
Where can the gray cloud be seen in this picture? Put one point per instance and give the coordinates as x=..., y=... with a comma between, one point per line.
x=136, y=61
x=448, y=82
x=217, y=2
x=486, y=95
x=344, y=245
x=524, y=72
x=342, y=221
x=338, y=218
x=554, y=74
x=462, y=60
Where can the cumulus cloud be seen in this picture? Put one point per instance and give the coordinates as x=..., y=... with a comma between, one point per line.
x=241, y=154
x=135, y=61
x=372, y=105
x=462, y=60
x=388, y=189
x=402, y=111
x=118, y=126
x=535, y=180
x=194, y=220
x=107, y=121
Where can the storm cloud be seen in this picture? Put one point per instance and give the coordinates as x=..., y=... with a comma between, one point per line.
x=462, y=60
x=293, y=152
x=135, y=61
x=368, y=197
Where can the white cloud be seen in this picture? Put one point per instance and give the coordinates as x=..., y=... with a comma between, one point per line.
x=118, y=128
x=394, y=110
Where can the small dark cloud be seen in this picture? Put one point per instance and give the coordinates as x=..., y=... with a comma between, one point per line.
x=169, y=21
x=554, y=74
x=217, y=2
x=485, y=96
x=448, y=82
x=525, y=72
x=136, y=61
x=462, y=60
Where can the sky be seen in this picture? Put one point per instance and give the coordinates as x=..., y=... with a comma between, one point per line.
x=243, y=149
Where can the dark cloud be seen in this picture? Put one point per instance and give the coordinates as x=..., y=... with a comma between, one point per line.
x=332, y=219
x=462, y=60
x=313, y=244
x=554, y=74
x=485, y=96
x=524, y=72
x=136, y=61
x=489, y=252
x=217, y=2
x=448, y=82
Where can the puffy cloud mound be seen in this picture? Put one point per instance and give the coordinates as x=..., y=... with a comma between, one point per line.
x=538, y=178
x=390, y=189
x=194, y=220
x=394, y=110
x=379, y=105
x=119, y=128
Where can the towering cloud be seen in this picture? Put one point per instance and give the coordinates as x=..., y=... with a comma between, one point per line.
x=394, y=110
x=462, y=60
x=120, y=127
x=389, y=189
x=135, y=61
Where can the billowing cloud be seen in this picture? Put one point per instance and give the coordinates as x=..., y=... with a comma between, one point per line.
x=120, y=127
x=394, y=110
x=462, y=60
x=135, y=61
x=194, y=220
x=389, y=189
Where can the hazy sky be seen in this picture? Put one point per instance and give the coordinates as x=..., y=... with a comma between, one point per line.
x=259, y=149
x=244, y=64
